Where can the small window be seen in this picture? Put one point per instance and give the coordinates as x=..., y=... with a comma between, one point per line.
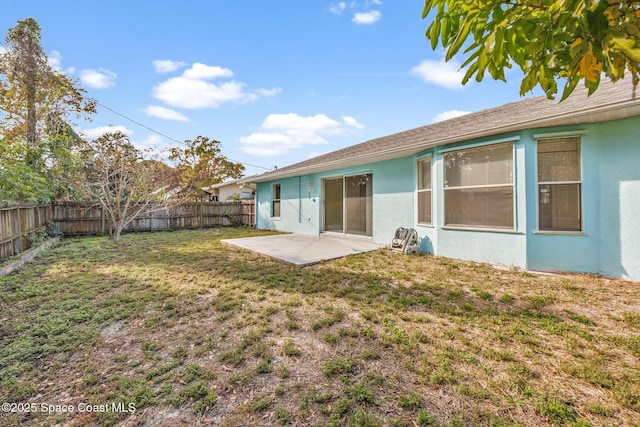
x=479, y=187
x=559, y=184
x=275, y=201
x=424, y=191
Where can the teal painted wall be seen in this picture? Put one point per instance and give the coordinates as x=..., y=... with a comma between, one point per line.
x=619, y=196
x=301, y=209
x=496, y=247
x=565, y=251
x=609, y=243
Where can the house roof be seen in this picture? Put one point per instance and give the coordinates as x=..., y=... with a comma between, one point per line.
x=612, y=101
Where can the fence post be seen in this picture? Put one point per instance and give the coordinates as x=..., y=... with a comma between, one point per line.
x=201, y=214
x=102, y=220
x=17, y=226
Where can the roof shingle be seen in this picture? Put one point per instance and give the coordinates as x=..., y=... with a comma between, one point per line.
x=611, y=101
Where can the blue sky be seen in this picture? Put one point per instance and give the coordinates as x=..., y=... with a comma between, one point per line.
x=276, y=82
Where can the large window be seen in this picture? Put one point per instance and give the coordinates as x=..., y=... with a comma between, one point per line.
x=478, y=187
x=275, y=201
x=559, y=184
x=424, y=191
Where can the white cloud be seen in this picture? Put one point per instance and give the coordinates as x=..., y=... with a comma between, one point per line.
x=3, y=50
x=282, y=133
x=153, y=147
x=268, y=92
x=191, y=90
x=187, y=93
x=337, y=9
x=165, y=113
x=150, y=142
x=440, y=73
x=98, y=79
x=97, y=132
x=55, y=61
x=312, y=154
x=200, y=71
x=350, y=121
x=451, y=114
x=367, y=18
x=167, y=65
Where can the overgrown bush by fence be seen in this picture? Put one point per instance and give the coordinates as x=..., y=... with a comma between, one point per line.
x=20, y=226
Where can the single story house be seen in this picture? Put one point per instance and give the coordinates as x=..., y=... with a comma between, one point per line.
x=237, y=189
x=534, y=184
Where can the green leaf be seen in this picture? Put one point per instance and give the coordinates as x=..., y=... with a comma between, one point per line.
x=498, y=49
x=628, y=47
x=470, y=71
x=435, y=33
x=569, y=86
x=459, y=40
x=592, y=85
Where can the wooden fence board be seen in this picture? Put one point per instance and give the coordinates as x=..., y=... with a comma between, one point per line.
x=82, y=219
x=17, y=224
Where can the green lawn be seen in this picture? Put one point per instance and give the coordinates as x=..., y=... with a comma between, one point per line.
x=190, y=331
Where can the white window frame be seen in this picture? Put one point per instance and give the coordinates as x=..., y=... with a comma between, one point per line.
x=274, y=200
x=550, y=137
x=421, y=161
x=512, y=185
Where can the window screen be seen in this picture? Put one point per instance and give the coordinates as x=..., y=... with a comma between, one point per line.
x=424, y=191
x=479, y=189
x=559, y=184
x=275, y=202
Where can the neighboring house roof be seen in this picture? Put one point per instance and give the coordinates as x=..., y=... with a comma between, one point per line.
x=611, y=101
x=244, y=182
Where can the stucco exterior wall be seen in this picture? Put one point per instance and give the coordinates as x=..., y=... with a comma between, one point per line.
x=301, y=207
x=496, y=247
x=609, y=243
x=619, y=199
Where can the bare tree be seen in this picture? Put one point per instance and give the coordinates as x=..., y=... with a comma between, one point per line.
x=125, y=184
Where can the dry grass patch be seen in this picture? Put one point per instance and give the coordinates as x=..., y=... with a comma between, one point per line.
x=193, y=332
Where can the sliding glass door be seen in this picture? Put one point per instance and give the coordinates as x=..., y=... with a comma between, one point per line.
x=333, y=205
x=348, y=205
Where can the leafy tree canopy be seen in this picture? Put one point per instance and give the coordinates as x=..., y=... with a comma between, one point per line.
x=35, y=99
x=20, y=182
x=547, y=39
x=202, y=164
x=38, y=148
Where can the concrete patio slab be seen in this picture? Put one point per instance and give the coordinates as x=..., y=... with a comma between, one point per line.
x=303, y=250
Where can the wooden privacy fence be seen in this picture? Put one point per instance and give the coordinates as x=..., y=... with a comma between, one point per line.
x=18, y=225
x=74, y=219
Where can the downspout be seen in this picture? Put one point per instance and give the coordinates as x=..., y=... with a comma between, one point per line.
x=299, y=199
